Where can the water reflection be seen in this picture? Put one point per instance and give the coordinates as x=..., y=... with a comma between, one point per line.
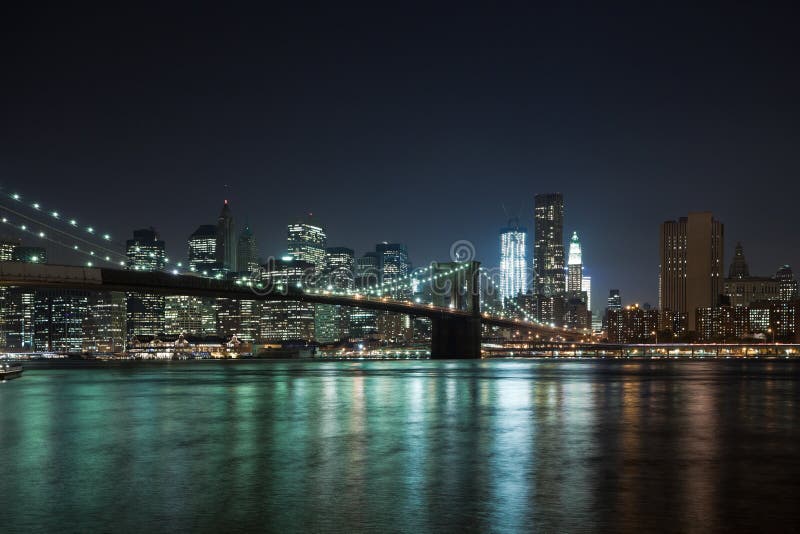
x=417, y=446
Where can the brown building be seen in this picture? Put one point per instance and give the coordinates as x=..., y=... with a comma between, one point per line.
x=690, y=276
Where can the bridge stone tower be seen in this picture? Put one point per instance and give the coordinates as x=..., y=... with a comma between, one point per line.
x=454, y=336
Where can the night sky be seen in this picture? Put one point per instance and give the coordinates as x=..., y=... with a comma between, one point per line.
x=417, y=124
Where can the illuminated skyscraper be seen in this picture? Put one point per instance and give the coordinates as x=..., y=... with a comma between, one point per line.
x=145, y=252
x=513, y=272
x=226, y=240
x=691, y=264
x=787, y=285
x=574, y=266
x=364, y=323
x=286, y=320
x=145, y=311
x=306, y=242
x=332, y=323
x=203, y=250
x=394, y=265
x=548, y=245
x=586, y=287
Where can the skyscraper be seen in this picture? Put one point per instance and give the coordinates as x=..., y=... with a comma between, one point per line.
x=394, y=264
x=574, y=266
x=247, y=252
x=614, y=300
x=586, y=287
x=787, y=285
x=738, y=267
x=332, y=323
x=289, y=319
x=226, y=240
x=145, y=311
x=513, y=273
x=145, y=252
x=691, y=264
x=306, y=242
x=203, y=250
x=548, y=245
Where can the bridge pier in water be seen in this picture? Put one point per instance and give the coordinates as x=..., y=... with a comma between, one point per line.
x=455, y=337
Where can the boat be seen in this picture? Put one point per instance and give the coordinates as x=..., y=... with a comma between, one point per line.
x=9, y=371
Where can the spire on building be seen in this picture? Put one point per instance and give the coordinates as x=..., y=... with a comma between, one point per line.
x=739, y=267
x=574, y=250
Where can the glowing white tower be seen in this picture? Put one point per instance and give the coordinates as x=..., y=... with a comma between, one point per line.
x=574, y=265
x=514, y=279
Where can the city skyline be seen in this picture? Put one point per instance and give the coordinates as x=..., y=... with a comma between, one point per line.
x=658, y=137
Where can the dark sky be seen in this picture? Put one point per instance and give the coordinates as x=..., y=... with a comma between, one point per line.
x=417, y=124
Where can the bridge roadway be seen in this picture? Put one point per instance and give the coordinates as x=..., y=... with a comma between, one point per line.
x=451, y=322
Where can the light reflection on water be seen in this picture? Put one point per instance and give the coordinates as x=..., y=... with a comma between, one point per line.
x=512, y=445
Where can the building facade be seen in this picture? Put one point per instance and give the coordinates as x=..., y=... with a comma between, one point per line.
x=691, y=264
x=513, y=262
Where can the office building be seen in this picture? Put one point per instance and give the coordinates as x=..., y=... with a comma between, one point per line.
x=203, y=250
x=247, y=252
x=513, y=263
x=225, y=248
x=548, y=245
x=305, y=242
x=145, y=311
x=691, y=264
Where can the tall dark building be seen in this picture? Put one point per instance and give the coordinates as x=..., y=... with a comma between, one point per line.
x=691, y=264
x=226, y=239
x=548, y=245
x=738, y=268
x=246, y=251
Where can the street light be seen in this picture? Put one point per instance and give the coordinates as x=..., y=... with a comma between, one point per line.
x=655, y=333
x=770, y=330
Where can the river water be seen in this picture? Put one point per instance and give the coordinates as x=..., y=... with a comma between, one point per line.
x=412, y=446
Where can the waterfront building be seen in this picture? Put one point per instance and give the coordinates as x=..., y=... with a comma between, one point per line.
x=722, y=323
x=513, y=264
x=58, y=323
x=332, y=322
x=394, y=264
x=104, y=326
x=145, y=311
x=190, y=315
x=691, y=264
x=364, y=323
x=225, y=248
x=305, y=241
x=203, y=250
x=240, y=318
x=632, y=324
x=287, y=320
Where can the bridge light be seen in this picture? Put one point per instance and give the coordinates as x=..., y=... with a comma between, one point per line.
x=88, y=264
x=92, y=252
x=15, y=196
x=73, y=222
x=174, y=271
x=90, y=230
x=179, y=264
x=122, y=263
x=41, y=234
x=55, y=215
x=34, y=259
x=36, y=205
x=107, y=237
x=75, y=247
x=108, y=259
x=24, y=227
x=5, y=220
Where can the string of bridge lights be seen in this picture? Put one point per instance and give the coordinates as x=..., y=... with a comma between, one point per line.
x=40, y=234
x=93, y=250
